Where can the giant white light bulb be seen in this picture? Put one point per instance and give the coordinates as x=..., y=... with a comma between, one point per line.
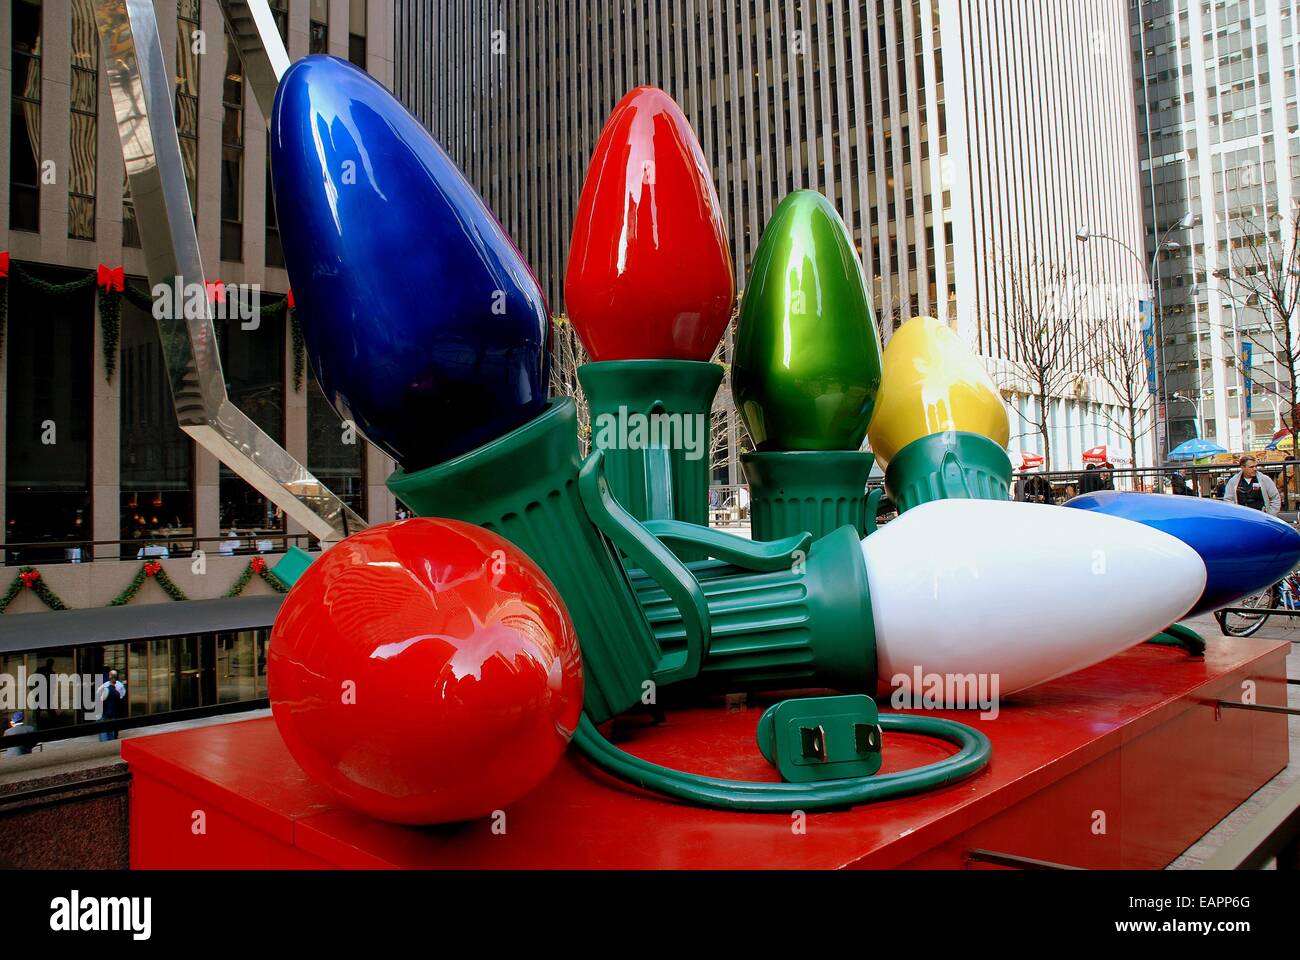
x=1021, y=591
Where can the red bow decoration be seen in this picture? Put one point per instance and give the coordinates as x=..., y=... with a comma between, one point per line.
x=289, y=298
x=111, y=278
x=4, y=264
x=151, y=568
x=216, y=290
x=259, y=564
x=30, y=577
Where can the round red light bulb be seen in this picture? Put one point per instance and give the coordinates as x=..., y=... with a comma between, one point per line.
x=425, y=671
x=649, y=274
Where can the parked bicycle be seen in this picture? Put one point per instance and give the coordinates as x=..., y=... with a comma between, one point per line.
x=1283, y=595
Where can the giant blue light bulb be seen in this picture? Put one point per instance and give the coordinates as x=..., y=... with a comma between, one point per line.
x=423, y=323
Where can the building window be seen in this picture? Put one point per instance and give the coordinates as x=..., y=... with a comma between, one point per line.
x=334, y=456
x=357, y=32
x=84, y=121
x=130, y=229
x=274, y=249
x=25, y=117
x=232, y=156
x=187, y=93
x=49, y=343
x=156, y=458
x=318, y=40
x=280, y=11
x=253, y=362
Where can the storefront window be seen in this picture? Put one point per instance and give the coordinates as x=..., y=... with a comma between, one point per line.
x=48, y=350
x=335, y=451
x=156, y=456
x=253, y=362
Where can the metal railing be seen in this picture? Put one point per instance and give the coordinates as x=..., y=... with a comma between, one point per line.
x=251, y=542
x=729, y=505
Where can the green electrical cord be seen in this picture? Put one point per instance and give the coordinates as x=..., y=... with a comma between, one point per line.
x=973, y=753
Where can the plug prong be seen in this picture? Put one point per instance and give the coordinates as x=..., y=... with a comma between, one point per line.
x=813, y=743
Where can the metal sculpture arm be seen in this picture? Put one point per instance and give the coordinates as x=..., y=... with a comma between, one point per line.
x=141, y=86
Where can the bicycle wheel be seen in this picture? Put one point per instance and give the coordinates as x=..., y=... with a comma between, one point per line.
x=1246, y=624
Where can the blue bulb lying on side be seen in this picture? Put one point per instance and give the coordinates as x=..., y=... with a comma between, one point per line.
x=1244, y=550
x=422, y=321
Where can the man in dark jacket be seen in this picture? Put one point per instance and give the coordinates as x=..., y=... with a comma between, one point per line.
x=1250, y=488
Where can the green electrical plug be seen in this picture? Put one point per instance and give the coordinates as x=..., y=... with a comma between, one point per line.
x=822, y=738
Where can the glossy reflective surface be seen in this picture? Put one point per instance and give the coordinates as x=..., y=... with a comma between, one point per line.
x=423, y=323
x=425, y=671
x=933, y=382
x=807, y=358
x=1068, y=590
x=649, y=273
x=1244, y=550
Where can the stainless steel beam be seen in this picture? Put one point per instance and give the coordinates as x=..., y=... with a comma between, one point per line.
x=141, y=85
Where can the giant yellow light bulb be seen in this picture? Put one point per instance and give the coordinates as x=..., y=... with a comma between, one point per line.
x=940, y=425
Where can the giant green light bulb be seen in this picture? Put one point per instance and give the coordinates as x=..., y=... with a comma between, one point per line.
x=807, y=361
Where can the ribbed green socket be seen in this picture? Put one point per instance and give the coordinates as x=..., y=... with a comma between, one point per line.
x=631, y=400
x=948, y=466
x=813, y=490
x=530, y=487
x=806, y=625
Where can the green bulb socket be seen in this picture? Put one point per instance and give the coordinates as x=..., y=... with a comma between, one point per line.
x=813, y=490
x=651, y=418
x=807, y=624
x=531, y=487
x=952, y=465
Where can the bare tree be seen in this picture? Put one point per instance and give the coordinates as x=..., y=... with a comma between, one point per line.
x=1120, y=362
x=1036, y=330
x=1264, y=276
x=567, y=354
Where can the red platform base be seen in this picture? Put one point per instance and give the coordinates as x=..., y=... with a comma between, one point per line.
x=1125, y=764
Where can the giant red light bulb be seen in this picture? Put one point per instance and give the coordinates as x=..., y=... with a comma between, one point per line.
x=425, y=671
x=649, y=273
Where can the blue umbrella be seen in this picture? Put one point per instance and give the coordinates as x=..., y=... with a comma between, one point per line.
x=1194, y=449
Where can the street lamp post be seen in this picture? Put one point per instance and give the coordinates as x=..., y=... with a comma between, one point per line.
x=1083, y=235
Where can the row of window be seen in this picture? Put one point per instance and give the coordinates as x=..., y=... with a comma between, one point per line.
x=27, y=173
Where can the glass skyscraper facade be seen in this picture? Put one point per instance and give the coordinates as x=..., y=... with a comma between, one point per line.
x=1217, y=132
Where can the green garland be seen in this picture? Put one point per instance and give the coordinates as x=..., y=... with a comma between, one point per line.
x=149, y=568
x=299, y=350
x=262, y=570
x=110, y=325
x=31, y=577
